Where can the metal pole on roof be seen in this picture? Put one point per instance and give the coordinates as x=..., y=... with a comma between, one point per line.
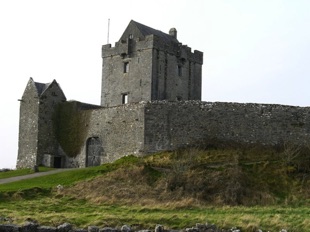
x=108, y=30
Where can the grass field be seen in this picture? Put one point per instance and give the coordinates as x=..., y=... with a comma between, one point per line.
x=21, y=172
x=57, y=210
x=177, y=190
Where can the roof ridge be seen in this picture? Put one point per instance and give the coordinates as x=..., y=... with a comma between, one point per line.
x=146, y=30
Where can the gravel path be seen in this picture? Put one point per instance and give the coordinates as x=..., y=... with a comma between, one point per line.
x=37, y=174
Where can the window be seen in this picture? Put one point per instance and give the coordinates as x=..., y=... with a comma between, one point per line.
x=179, y=70
x=124, y=98
x=130, y=36
x=126, y=67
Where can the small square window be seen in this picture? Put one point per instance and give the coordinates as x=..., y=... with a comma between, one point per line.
x=126, y=67
x=124, y=98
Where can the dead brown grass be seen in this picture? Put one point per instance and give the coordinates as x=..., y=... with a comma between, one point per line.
x=195, y=177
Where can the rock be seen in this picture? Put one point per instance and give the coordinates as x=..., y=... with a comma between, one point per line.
x=193, y=229
x=29, y=227
x=125, y=228
x=159, y=228
x=108, y=229
x=66, y=227
x=93, y=229
x=9, y=228
x=46, y=229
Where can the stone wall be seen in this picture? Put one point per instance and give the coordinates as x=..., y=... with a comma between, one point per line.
x=120, y=131
x=67, y=227
x=136, y=82
x=148, y=127
x=170, y=125
x=28, y=127
x=49, y=99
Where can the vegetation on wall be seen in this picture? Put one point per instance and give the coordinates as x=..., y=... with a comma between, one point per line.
x=70, y=125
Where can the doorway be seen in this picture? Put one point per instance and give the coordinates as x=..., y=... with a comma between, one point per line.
x=93, y=152
x=57, y=162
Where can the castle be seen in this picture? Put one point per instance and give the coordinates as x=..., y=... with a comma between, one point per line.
x=150, y=102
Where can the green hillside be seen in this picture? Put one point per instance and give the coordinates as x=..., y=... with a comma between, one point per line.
x=253, y=187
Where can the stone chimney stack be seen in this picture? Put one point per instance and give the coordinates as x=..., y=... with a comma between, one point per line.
x=173, y=32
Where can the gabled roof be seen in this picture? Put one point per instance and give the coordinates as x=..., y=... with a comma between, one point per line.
x=41, y=87
x=140, y=30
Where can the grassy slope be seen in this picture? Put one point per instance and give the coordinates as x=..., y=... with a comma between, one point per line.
x=250, y=188
x=21, y=172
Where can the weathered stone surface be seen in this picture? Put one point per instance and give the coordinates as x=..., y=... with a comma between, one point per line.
x=93, y=229
x=108, y=229
x=9, y=228
x=160, y=68
x=159, y=228
x=125, y=228
x=66, y=227
x=36, y=136
x=46, y=229
x=29, y=227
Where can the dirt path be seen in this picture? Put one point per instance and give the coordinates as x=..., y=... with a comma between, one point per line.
x=37, y=174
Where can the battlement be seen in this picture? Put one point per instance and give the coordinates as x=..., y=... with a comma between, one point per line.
x=125, y=47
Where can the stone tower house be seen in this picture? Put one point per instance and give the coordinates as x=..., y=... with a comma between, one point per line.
x=148, y=65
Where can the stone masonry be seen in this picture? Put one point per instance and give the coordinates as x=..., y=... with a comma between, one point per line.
x=150, y=102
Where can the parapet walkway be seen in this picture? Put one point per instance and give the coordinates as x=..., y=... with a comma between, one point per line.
x=30, y=176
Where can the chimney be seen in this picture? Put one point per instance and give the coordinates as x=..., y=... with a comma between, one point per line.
x=173, y=32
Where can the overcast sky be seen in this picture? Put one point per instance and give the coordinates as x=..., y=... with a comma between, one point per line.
x=254, y=50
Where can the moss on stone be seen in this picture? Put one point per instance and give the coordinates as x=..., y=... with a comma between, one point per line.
x=70, y=123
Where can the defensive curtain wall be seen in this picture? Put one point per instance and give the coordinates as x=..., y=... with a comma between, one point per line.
x=146, y=127
x=169, y=125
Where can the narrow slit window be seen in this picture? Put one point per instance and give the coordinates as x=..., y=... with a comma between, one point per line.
x=126, y=67
x=179, y=70
x=124, y=98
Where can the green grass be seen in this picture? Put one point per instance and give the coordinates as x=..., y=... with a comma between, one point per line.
x=57, y=210
x=64, y=178
x=21, y=172
x=187, y=189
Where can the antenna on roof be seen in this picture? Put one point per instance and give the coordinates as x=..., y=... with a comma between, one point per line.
x=108, y=30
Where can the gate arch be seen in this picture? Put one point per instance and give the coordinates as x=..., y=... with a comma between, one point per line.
x=94, y=152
